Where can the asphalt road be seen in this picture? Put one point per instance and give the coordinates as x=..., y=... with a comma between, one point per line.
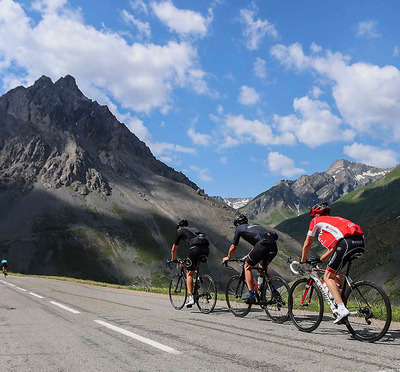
x=50, y=325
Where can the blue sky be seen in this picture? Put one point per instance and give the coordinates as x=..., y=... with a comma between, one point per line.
x=235, y=94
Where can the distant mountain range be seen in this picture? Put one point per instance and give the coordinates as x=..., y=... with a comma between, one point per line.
x=288, y=199
x=235, y=203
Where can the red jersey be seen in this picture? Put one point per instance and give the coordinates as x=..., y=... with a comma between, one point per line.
x=332, y=229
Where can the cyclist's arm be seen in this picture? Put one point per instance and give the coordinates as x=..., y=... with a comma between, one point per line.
x=306, y=247
x=231, y=252
x=174, y=251
x=327, y=254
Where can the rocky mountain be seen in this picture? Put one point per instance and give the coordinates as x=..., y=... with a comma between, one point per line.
x=235, y=203
x=376, y=208
x=288, y=199
x=82, y=196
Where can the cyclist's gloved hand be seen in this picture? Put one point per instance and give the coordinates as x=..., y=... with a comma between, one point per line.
x=317, y=260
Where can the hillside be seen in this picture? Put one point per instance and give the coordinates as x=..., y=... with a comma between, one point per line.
x=376, y=208
x=288, y=199
x=82, y=196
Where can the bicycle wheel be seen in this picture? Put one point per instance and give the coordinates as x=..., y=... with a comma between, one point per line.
x=236, y=291
x=306, y=305
x=275, y=299
x=206, y=294
x=371, y=313
x=178, y=291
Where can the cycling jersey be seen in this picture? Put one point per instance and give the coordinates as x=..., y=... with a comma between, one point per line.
x=332, y=229
x=191, y=236
x=254, y=234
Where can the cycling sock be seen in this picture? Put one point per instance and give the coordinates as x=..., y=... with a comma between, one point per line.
x=251, y=294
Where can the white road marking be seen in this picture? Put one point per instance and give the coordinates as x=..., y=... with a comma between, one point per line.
x=3, y=281
x=139, y=338
x=12, y=285
x=36, y=295
x=65, y=307
x=21, y=289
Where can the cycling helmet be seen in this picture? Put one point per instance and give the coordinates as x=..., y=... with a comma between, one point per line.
x=240, y=220
x=320, y=208
x=184, y=223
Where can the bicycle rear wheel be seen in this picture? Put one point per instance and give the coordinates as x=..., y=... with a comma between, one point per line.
x=275, y=299
x=178, y=291
x=371, y=313
x=236, y=291
x=306, y=305
x=206, y=294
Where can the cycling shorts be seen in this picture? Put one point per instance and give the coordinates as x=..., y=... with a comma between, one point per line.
x=195, y=253
x=4, y=265
x=346, y=248
x=262, y=253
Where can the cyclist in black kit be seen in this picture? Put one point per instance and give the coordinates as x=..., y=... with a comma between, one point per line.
x=198, y=244
x=263, y=252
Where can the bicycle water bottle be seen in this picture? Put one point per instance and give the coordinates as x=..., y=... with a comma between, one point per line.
x=260, y=282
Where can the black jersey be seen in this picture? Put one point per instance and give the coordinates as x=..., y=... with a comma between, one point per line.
x=192, y=236
x=254, y=234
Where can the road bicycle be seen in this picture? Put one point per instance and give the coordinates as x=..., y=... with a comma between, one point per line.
x=369, y=306
x=204, y=287
x=272, y=295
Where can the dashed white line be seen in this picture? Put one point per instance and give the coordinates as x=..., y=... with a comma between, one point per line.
x=3, y=281
x=21, y=289
x=36, y=295
x=12, y=285
x=139, y=338
x=65, y=307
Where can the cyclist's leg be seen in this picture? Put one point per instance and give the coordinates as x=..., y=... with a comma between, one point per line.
x=253, y=258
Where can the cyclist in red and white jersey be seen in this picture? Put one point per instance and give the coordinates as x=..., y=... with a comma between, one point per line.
x=342, y=239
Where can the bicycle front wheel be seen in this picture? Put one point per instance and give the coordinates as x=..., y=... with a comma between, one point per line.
x=206, y=294
x=306, y=305
x=275, y=298
x=370, y=311
x=236, y=291
x=178, y=291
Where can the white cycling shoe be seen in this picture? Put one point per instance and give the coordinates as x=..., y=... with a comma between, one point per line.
x=342, y=313
x=190, y=302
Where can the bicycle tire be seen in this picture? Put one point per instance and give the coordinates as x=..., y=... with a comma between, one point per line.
x=276, y=304
x=371, y=312
x=236, y=291
x=206, y=298
x=306, y=305
x=178, y=291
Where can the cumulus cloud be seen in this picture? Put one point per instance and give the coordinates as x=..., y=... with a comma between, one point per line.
x=140, y=77
x=202, y=173
x=371, y=155
x=368, y=29
x=259, y=68
x=199, y=138
x=143, y=28
x=366, y=95
x=282, y=164
x=314, y=124
x=182, y=21
x=139, y=5
x=248, y=96
x=254, y=29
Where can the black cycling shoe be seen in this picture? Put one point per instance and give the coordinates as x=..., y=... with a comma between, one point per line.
x=249, y=300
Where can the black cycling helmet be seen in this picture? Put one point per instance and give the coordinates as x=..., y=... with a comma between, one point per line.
x=184, y=223
x=240, y=220
x=320, y=208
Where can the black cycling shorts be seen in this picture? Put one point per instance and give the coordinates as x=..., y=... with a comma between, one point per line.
x=346, y=248
x=194, y=255
x=262, y=253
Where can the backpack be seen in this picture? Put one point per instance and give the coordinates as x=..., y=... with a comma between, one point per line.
x=199, y=239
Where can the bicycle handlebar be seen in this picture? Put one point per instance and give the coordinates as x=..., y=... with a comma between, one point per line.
x=178, y=261
x=310, y=261
x=236, y=259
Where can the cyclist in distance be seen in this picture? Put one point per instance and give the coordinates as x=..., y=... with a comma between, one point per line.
x=342, y=239
x=198, y=244
x=264, y=249
x=4, y=264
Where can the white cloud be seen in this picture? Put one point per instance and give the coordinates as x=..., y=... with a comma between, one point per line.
x=248, y=96
x=237, y=130
x=199, y=138
x=371, y=155
x=314, y=124
x=315, y=48
x=220, y=109
x=48, y=6
x=254, y=29
x=366, y=95
x=223, y=160
x=202, y=173
x=316, y=92
x=139, y=76
x=282, y=164
x=139, y=5
x=259, y=68
x=144, y=30
x=368, y=29
x=182, y=21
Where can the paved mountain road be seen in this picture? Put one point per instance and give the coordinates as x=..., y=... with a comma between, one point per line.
x=50, y=325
